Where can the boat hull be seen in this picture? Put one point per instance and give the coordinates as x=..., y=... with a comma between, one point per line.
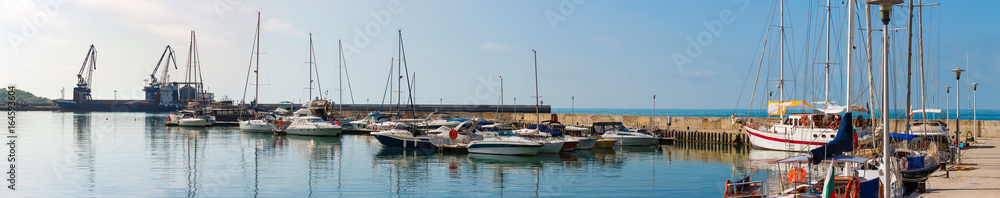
x=551, y=147
x=604, y=143
x=586, y=143
x=798, y=141
x=256, y=127
x=569, y=146
x=404, y=142
x=313, y=131
x=192, y=122
x=503, y=148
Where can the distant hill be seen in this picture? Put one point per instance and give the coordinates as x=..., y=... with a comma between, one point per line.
x=22, y=96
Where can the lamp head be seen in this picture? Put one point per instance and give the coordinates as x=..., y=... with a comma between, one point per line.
x=885, y=8
x=958, y=73
x=974, y=85
x=654, y=96
x=947, y=89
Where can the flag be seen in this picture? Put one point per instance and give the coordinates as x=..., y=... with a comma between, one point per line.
x=828, y=185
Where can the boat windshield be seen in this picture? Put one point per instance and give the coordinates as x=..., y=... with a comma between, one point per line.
x=313, y=120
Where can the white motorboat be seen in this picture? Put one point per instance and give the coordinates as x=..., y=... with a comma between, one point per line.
x=404, y=136
x=262, y=125
x=504, y=143
x=189, y=119
x=623, y=137
x=311, y=125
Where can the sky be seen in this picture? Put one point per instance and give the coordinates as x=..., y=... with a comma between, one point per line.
x=590, y=54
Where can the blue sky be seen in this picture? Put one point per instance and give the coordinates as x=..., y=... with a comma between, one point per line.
x=608, y=54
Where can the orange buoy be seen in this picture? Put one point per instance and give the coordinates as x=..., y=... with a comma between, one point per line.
x=797, y=174
x=453, y=134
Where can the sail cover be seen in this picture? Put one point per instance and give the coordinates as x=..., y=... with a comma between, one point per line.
x=844, y=141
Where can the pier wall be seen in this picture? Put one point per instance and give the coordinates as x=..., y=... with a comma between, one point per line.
x=987, y=128
x=697, y=128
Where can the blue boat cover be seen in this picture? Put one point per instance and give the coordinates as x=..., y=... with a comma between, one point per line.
x=869, y=188
x=844, y=141
x=907, y=137
x=546, y=129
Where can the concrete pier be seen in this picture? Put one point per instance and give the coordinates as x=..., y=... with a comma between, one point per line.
x=982, y=182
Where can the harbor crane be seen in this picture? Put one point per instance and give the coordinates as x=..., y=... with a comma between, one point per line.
x=82, y=90
x=169, y=54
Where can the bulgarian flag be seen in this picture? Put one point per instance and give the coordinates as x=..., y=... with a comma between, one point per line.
x=828, y=186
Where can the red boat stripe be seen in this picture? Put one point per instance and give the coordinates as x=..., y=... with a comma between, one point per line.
x=784, y=140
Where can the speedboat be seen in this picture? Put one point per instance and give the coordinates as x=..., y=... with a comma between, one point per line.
x=584, y=143
x=403, y=136
x=262, y=125
x=189, y=119
x=303, y=123
x=543, y=134
x=624, y=137
x=504, y=143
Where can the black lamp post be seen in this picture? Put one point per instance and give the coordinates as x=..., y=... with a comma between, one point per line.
x=958, y=112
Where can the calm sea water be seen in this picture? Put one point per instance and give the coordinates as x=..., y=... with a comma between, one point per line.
x=133, y=154
x=982, y=114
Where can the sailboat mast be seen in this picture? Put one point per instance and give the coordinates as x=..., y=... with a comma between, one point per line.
x=256, y=70
x=781, y=46
x=399, y=72
x=850, y=54
x=909, y=66
x=310, y=66
x=537, y=103
x=920, y=40
x=828, y=52
x=340, y=71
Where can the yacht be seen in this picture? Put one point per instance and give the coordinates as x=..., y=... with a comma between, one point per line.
x=504, y=143
x=623, y=137
x=311, y=125
x=404, y=136
x=262, y=125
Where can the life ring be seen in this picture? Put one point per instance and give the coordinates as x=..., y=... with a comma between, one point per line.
x=834, y=125
x=804, y=120
x=797, y=174
x=853, y=189
x=452, y=134
x=903, y=162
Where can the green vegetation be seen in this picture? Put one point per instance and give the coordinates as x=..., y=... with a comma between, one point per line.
x=22, y=96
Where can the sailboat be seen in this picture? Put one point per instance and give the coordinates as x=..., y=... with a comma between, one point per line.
x=797, y=132
x=309, y=119
x=261, y=124
x=198, y=113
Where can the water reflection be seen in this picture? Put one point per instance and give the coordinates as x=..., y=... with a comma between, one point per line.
x=123, y=154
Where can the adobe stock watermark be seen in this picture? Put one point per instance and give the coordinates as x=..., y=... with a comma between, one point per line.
x=222, y=7
x=364, y=35
x=11, y=138
x=487, y=89
x=566, y=8
x=32, y=23
x=704, y=39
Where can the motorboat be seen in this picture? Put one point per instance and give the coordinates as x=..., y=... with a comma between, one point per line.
x=623, y=136
x=303, y=123
x=505, y=143
x=262, y=125
x=583, y=143
x=438, y=119
x=546, y=135
x=190, y=120
x=404, y=136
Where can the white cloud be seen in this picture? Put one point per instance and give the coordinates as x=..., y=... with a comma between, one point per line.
x=492, y=46
x=132, y=9
x=277, y=25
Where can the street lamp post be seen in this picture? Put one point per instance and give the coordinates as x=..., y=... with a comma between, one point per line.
x=958, y=111
x=572, y=107
x=654, y=113
x=975, y=108
x=116, y=94
x=885, y=9
x=947, y=113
